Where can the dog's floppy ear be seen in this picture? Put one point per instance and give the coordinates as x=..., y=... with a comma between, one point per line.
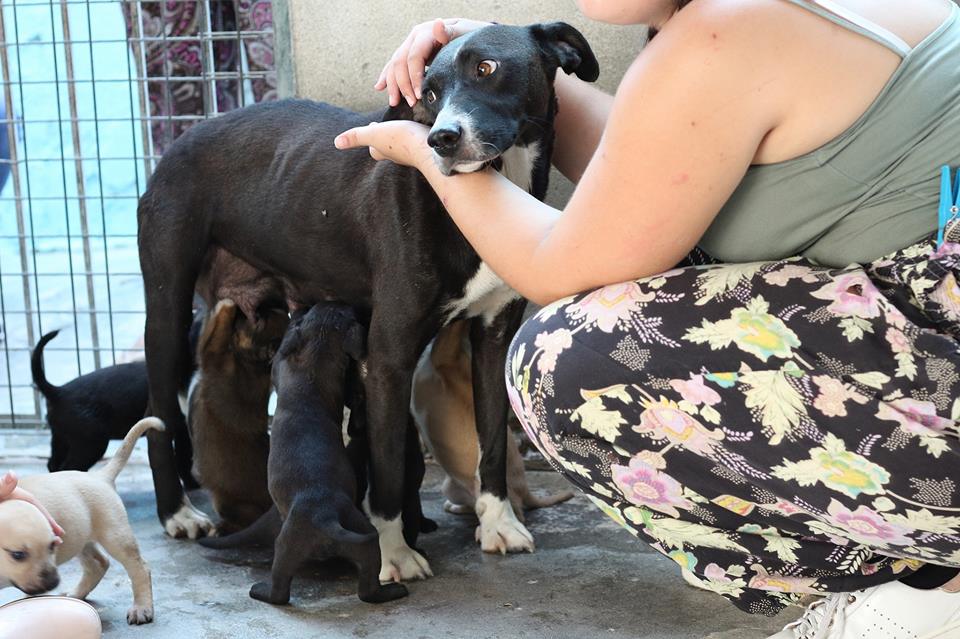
x=568, y=48
x=354, y=341
x=404, y=111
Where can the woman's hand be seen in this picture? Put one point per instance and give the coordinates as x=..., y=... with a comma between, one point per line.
x=403, y=73
x=10, y=490
x=400, y=141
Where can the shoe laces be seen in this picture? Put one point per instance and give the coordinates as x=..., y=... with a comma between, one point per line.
x=821, y=617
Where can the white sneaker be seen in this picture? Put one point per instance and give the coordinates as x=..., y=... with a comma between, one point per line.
x=890, y=611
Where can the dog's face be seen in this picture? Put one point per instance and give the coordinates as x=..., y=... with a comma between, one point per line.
x=484, y=91
x=27, y=548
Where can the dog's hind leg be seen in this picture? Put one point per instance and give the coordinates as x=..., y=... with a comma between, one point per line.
x=59, y=447
x=172, y=247
x=94, y=567
x=118, y=540
x=366, y=556
x=294, y=546
x=499, y=529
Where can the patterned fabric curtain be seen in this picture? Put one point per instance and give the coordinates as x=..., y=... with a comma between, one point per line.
x=178, y=58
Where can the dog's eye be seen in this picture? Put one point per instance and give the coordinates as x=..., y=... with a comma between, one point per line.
x=487, y=67
x=431, y=97
x=17, y=555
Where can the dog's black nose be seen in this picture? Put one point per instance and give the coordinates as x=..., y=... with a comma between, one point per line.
x=444, y=140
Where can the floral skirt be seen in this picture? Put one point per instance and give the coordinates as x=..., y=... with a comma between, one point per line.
x=777, y=429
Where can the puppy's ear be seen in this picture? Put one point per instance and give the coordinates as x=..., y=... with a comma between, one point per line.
x=354, y=341
x=568, y=49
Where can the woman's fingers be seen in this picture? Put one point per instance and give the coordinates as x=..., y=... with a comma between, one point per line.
x=403, y=74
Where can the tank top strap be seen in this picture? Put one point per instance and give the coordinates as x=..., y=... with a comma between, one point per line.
x=842, y=16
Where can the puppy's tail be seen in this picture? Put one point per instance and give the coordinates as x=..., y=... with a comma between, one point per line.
x=116, y=464
x=262, y=532
x=532, y=502
x=36, y=367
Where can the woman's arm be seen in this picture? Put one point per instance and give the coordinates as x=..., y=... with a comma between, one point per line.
x=581, y=118
x=684, y=126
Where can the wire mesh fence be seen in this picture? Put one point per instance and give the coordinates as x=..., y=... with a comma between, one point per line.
x=93, y=92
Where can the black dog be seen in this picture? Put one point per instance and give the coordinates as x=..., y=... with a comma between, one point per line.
x=311, y=478
x=265, y=185
x=87, y=412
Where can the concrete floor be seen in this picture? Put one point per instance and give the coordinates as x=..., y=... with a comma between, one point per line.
x=588, y=578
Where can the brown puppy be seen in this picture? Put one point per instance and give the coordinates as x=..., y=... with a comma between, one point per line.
x=227, y=414
x=442, y=406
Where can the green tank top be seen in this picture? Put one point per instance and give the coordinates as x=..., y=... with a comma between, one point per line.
x=871, y=190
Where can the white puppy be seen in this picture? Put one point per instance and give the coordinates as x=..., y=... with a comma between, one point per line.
x=88, y=508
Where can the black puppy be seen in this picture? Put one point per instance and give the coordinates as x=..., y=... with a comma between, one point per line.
x=87, y=412
x=311, y=478
x=265, y=185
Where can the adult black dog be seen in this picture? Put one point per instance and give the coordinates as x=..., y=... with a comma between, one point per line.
x=266, y=185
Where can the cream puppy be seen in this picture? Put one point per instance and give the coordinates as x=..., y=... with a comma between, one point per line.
x=442, y=407
x=88, y=508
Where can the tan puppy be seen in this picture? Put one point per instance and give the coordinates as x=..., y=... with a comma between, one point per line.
x=228, y=416
x=88, y=508
x=442, y=406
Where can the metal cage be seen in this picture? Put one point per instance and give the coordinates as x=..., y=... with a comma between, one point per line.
x=93, y=92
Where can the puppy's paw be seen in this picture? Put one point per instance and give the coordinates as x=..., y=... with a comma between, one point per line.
x=500, y=530
x=263, y=591
x=188, y=522
x=138, y=615
x=384, y=593
x=457, y=509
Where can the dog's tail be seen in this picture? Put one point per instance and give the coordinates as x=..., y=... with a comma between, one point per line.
x=36, y=367
x=340, y=526
x=532, y=502
x=116, y=464
x=262, y=532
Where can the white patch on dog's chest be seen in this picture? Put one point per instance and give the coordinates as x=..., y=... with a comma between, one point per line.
x=518, y=162
x=485, y=294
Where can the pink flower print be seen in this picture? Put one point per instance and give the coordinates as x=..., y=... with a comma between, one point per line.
x=644, y=485
x=695, y=391
x=782, y=277
x=665, y=420
x=867, y=526
x=851, y=295
x=713, y=572
x=914, y=416
x=897, y=340
x=609, y=305
x=947, y=294
x=833, y=394
x=552, y=344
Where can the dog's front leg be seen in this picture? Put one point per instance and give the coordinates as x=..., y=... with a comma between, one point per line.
x=499, y=529
x=387, y=382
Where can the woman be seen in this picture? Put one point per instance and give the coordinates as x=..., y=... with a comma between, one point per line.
x=782, y=423
x=44, y=617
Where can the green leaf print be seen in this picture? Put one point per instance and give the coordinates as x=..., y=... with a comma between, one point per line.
x=781, y=406
x=675, y=533
x=723, y=279
x=597, y=419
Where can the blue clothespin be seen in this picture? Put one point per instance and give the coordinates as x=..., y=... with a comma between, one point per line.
x=949, y=202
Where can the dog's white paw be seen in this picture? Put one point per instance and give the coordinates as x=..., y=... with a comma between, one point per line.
x=398, y=561
x=188, y=522
x=139, y=615
x=457, y=509
x=500, y=530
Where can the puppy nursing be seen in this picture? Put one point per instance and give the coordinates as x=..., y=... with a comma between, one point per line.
x=88, y=508
x=312, y=480
x=228, y=417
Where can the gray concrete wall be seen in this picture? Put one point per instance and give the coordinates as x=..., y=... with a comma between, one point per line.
x=338, y=47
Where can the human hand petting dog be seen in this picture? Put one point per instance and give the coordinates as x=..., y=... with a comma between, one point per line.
x=402, y=76
x=400, y=141
x=9, y=490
